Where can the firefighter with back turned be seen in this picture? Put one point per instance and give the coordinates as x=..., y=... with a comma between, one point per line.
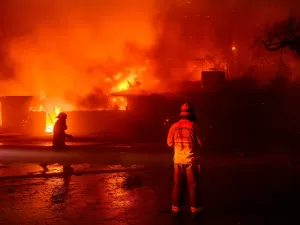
x=184, y=137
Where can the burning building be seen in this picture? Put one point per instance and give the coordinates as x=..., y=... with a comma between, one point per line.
x=99, y=112
x=76, y=58
x=129, y=109
x=34, y=116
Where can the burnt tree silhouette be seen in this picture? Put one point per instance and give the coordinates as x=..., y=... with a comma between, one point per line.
x=283, y=34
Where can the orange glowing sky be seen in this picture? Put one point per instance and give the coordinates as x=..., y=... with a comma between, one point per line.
x=52, y=44
x=65, y=38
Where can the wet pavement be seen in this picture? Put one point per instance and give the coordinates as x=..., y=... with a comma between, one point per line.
x=120, y=187
x=99, y=199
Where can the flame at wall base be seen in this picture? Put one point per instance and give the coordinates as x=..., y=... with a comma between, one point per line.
x=49, y=129
x=50, y=117
x=50, y=106
x=119, y=103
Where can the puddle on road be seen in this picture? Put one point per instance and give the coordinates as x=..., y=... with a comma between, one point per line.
x=17, y=169
x=87, y=198
x=128, y=195
x=49, y=144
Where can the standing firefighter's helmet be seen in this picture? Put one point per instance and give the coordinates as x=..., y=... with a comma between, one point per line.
x=187, y=109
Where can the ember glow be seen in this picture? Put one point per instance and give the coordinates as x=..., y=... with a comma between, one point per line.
x=233, y=47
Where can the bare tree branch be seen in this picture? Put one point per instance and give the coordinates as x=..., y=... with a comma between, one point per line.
x=284, y=34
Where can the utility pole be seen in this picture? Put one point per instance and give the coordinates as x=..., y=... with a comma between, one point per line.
x=202, y=62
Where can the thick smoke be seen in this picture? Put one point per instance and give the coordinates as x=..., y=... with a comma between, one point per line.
x=71, y=48
x=51, y=46
x=209, y=29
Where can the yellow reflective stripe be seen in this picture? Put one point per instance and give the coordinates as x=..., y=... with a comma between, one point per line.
x=196, y=209
x=175, y=208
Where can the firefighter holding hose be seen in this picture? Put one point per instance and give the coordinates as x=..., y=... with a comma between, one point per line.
x=184, y=137
x=59, y=134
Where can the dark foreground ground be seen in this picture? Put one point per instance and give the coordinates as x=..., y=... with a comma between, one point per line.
x=131, y=184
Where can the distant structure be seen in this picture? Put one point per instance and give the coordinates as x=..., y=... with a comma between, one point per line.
x=213, y=80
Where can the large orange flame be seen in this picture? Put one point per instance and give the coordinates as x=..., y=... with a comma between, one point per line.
x=51, y=119
x=50, y=116
x=123, y=82
x=127, y=82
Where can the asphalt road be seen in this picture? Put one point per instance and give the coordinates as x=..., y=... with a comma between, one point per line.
x=132, y=185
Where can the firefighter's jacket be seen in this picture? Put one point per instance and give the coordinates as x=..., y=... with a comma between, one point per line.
x=184, y=137
x=59, y=134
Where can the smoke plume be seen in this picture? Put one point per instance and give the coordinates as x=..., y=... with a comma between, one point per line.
x=74, y=49
x=49, y=47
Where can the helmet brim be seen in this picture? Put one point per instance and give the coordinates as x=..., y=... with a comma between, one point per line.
x=186, y=113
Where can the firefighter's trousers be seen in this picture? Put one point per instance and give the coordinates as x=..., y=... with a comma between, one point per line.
x=187, y=175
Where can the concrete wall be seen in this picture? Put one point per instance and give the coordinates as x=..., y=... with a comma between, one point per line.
x=36, y=124
x=104, y=123
x=14, y=111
